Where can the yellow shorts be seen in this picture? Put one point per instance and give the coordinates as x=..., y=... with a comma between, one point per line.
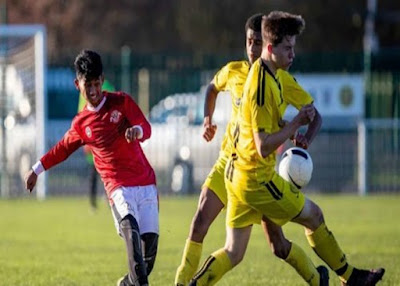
x=215, y=179
x=277, y=199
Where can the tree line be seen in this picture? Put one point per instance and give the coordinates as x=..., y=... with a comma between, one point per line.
x=195, y=26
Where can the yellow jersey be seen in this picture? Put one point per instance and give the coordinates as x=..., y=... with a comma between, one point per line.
x=265, y=99
x=232, y=78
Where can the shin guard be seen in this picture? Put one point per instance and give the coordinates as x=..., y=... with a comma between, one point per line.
x=131, y=235
x=150, y=245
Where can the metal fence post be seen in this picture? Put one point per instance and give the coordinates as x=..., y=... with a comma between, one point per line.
x=5, y=187
x=126, y=69
x=144, y=90
x=362, y=158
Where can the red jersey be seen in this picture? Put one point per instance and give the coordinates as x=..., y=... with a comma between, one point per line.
x=118, y=162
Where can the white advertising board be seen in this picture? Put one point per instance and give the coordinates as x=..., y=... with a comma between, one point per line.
x=334, y=94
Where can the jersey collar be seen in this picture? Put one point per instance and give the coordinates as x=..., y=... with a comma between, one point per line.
x=265, y=66
x=98, y=107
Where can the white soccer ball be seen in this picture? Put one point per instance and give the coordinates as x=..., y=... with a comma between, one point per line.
x=296, y=166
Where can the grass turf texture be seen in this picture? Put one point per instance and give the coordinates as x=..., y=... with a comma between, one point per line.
x=60, y=242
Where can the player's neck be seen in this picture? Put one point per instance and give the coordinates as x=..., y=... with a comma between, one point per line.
x=270, y=65
x=98, y=107
x=267, y=60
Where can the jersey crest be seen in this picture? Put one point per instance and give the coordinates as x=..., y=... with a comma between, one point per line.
x=237, y=101
x=115, y=116
x=88, y=132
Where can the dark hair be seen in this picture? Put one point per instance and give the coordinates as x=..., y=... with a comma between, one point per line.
x=88, y=65
x=254, y=23
x=277, y=24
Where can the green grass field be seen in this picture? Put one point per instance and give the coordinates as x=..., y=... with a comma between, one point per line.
x=60, y=242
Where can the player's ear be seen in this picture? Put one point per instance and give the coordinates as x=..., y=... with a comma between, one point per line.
x=269, y=48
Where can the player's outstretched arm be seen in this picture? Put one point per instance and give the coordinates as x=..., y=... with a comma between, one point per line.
x=60, y=152
x=30, y=180
x=209, y=129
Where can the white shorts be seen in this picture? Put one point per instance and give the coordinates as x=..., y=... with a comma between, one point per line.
x=141, y=202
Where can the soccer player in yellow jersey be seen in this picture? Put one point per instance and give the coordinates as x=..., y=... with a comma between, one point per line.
x=255, y=189
x=213, y=197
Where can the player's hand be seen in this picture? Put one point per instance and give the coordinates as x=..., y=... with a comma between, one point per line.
x=30, y=180
x=132, y=133
x=300, y=141
x=209, y=131
x=305, y=115
x=282, y=123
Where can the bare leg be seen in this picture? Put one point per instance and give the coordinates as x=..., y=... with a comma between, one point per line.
x=207, y=210
x=236, y=243
x=278, y=243
x=292, y=254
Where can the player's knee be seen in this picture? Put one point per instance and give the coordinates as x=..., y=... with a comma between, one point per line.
x=280, y=249
x=150, y=242
x=318, y=216
x=235, y=256
x=313, y=216
x=236, y=259
x=129, y=222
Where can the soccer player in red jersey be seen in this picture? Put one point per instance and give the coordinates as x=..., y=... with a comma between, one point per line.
x=112, y=125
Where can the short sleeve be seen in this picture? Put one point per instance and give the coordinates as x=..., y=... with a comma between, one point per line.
x=261, y=113
x=292, y=92
x=221, y=78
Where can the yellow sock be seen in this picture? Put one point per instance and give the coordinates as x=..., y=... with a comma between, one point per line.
x=190, y=262
x=299, y=260
x=213, y=268
x=325, y=245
